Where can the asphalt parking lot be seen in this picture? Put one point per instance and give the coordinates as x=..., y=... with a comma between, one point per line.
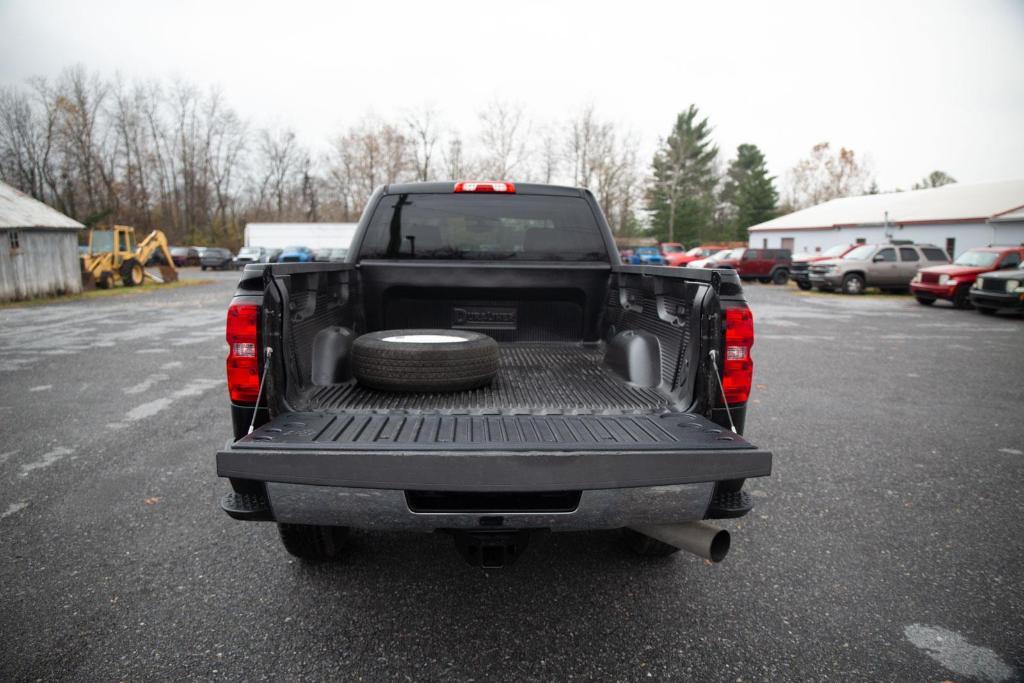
x=888, y=544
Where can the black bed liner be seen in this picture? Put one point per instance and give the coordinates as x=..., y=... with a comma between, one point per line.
x=399, y=431
x=535, y=379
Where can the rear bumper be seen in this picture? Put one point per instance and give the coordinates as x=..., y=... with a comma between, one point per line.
x=369, y=489
x=358, y=470
x=1002, y=300
x=389, y=509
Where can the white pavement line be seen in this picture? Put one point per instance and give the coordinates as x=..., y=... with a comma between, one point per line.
x=46, y=460
x=13, y=508
x=4, y=457
x=41, y=387
x=1011, y=451
x=949, y=649
x=194, y=388
x=146, y=384
x=171, y=365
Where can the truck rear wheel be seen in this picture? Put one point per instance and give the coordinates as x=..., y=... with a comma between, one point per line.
x=424, y=360
x=313, y=543
x=803, y=284
x=645, y=546
x=780, y=277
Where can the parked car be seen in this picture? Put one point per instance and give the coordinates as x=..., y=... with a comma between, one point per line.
x=626, y=255
x=952, y=282
x=339, y=254
x=670, y=249
x=185, y=256
x=248, y=255
x=999, y=291
x=273, y=254
x=720, y=256
x=216, y=258
x=366, y=423
x=322, y=254
x=890, y=267
x=696, y=254
x=295, y=255
x=647, y=256
x=765, y=265
x=726, y=260
x=800, y=269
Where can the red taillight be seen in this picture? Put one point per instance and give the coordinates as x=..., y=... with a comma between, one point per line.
x=243, y=365
x=485, y=186
x=738, y=367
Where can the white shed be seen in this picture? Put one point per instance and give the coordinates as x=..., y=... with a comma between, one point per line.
x=954, y=217
x=38, y=248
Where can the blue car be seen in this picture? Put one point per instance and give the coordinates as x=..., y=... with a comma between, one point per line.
x=296, y=255
x=647, y=256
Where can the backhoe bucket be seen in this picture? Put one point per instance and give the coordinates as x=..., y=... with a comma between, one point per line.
x=168, y=274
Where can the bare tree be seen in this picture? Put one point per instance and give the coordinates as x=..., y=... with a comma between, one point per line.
x=603, y=159
x=455, y=163
x=822, y=176
x=423, y=136
x=503, y=134
x=370, y=154
x=280, y=165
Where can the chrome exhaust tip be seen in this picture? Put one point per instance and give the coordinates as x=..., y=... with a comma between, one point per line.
x=699, y=538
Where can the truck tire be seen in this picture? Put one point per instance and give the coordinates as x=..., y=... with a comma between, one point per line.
x=804, y=285
x=853, y=284
x=645, y=546
x=924, y=301
x=780, y=276
x=131, y=272
x=424, y=360
x=984, y=310
x=313, y=543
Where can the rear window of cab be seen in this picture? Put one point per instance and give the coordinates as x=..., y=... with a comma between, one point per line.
x=485, y=227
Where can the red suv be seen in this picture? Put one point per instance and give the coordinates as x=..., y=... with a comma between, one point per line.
x=766, y=265
x=953, y=281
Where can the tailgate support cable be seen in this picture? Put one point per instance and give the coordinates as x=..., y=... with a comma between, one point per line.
x=714, y=363
x=259, y=394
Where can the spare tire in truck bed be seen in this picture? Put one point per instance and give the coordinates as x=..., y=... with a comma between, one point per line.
x=424, y=360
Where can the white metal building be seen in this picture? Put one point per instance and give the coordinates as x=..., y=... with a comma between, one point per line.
x=38, y=248
x=312, y=235
x=954, y=217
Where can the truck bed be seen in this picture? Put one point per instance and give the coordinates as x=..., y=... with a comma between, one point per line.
x=533, y=379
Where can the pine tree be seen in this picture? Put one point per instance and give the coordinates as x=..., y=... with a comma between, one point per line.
x=681, y=199
x=749, y=192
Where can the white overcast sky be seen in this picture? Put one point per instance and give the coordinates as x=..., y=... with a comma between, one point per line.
x=916, y=86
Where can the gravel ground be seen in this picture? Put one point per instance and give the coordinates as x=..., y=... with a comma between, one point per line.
x=888, y=544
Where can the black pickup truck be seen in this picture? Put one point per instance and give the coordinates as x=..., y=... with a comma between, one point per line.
x=618, y=402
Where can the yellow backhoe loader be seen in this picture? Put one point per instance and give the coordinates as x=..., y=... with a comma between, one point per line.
x=113, y=255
